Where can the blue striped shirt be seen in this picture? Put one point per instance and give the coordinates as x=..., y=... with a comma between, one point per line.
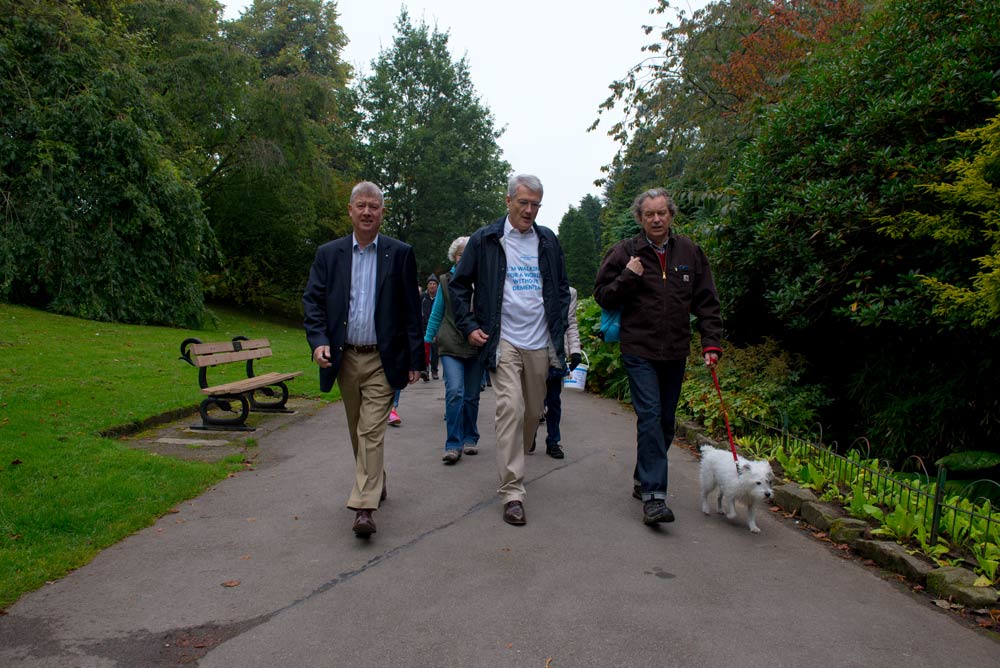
x=361, y=315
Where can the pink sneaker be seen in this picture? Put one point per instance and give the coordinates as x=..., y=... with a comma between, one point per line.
x=394, y=418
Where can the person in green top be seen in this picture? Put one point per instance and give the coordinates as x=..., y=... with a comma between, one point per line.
x=460, y=365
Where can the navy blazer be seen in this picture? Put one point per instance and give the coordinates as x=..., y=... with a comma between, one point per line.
x=327, y=299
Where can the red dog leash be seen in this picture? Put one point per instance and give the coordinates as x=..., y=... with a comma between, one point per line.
x=732, y=445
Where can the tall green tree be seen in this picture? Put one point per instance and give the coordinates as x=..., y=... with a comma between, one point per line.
x=590, y=209
x=98, y=219
x=203, y=81
x=429, y=143
x=693, y=103
x=576, y=236
x=277, y=185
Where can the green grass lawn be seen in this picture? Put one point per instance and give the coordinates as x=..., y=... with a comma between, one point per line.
x=65, y=492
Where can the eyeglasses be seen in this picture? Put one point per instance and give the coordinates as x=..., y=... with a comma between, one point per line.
x=527, y=203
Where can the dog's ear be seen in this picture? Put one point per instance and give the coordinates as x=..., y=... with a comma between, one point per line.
x=745, y=467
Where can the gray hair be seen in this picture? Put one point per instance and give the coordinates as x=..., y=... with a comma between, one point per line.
x=457, y=246
x=367, y=188
x=652, y=193
x=530, y=182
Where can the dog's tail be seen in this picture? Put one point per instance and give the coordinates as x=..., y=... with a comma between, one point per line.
x=706, y=448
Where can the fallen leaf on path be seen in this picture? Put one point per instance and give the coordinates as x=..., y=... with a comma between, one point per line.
x=941, y=603
x=231, y=583
x=251, y=519
x=245, y=557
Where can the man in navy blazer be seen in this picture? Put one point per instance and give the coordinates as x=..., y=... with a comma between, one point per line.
x=363, y=324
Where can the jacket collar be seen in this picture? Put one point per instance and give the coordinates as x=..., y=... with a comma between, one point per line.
x=640, y=241
x=496, y=230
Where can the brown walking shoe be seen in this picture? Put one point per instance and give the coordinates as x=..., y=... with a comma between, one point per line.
x=513, y=513
x=364, y=525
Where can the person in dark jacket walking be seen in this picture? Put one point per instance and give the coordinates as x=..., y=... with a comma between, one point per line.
x=430, y=347
x=657, y=279
x=362, y=322
x=518, y=320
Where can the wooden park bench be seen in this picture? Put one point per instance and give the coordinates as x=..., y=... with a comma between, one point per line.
x=248, y=392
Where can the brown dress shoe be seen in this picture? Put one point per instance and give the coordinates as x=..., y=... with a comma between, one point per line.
x=513, y=513
x=364, y=525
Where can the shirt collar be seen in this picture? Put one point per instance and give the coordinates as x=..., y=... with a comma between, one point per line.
x=655, y=247
x=508, y=229
x=356, y=246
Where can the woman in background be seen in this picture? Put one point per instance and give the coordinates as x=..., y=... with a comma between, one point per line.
x=460, y=365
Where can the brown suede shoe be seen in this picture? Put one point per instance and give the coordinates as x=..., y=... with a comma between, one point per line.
x=364, y=525
x=513, y=513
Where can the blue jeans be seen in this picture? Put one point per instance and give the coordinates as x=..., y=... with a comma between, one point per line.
x=462, y=376
x=656, y=389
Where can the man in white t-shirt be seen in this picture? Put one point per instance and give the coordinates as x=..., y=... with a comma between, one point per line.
x=518, y=319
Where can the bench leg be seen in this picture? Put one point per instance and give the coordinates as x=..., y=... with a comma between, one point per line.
x=224, y=403
x=272, y=406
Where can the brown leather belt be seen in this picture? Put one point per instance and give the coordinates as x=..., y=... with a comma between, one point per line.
x=364, y=350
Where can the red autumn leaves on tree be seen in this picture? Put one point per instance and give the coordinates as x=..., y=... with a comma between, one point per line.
x=781, y=35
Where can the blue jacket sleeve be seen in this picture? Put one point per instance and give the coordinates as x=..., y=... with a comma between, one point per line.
x=434, y=320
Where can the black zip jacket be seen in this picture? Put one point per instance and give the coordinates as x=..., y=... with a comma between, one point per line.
x=483, y=270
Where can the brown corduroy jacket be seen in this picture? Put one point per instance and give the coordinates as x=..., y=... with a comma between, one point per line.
x=656, y=306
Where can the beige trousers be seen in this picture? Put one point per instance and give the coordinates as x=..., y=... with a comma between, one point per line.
x=519, y=386
x=367, y=398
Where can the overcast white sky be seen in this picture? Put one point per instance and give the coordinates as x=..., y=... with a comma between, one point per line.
x=541, y=67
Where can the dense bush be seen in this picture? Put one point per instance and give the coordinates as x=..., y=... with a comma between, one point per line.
x=760, y=382
x=98, y=222
x=807, y=255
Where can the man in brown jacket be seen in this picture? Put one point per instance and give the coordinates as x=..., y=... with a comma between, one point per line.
x=657, y=279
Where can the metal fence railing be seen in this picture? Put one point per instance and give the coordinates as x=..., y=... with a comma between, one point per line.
x=961, y=522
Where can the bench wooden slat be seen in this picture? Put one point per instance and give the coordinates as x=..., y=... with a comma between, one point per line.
x=227, y=346
x=247, y=384
x=223, y=358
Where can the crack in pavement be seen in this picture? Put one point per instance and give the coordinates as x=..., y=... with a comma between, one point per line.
x=186, y=646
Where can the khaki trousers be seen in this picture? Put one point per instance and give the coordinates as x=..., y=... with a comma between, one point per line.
x=367, y=398
x=519, y=386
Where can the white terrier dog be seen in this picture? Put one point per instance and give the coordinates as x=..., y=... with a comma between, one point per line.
x=751, y=485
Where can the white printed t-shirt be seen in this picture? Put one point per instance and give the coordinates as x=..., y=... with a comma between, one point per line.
x=522, y=321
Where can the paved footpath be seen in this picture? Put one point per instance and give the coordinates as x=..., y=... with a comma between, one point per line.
x=445, y=582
